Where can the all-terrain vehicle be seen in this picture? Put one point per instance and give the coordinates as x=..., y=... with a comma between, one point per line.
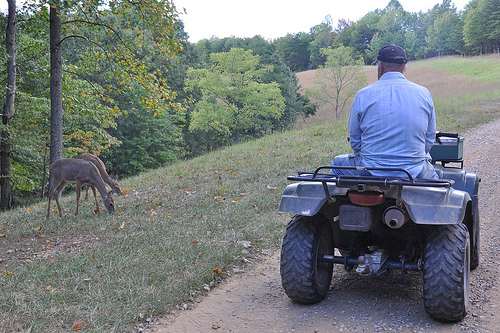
x=376, y=224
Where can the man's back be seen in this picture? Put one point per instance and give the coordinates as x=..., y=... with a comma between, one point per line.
x=392, y=124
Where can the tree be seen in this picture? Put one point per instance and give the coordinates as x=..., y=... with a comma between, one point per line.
x=391, y=29
x=415, y=43
x=233, y=100
x=474, y=27
x=293, y=50
x=147, y=143
x=296, y=104
x=5, y=146
x=444, y=33
x=105, y=40
x=56, y=73
x=359, y=34
x=323, y=37
x=492, y=8
x=339, y=80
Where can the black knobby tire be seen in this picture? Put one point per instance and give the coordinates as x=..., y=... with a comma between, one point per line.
x=475, y=247
x=305, y=278
x=446, y=272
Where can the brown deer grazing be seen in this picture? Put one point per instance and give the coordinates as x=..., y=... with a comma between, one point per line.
x=115, y=187
x=72, y=170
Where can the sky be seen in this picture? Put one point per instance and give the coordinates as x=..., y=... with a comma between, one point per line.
x=273, y=18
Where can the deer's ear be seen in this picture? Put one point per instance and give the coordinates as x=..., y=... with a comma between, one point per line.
x=116, y=176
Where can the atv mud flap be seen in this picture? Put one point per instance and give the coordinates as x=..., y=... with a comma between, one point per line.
x=425, y=205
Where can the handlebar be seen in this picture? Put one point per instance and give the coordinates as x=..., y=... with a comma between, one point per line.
x=446, y=135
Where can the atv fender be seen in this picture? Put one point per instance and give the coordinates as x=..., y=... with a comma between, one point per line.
x=307, y=198
x=430, y=205
x=463, y=180
x=425, y=205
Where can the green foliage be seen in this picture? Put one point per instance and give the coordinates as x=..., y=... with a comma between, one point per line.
x=358, y=35
x=482, y=28
x=297, y=105
x=323, y=36
x=293, y=50
x=444, y=36
x=30, y=139
x=391, y=29
x=441, y=30
x=113, y=57
x=233, y=100
x=86, y=119
x=147, y=143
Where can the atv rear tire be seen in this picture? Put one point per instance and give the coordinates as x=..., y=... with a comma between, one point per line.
x=446, y=272
x=474, y=235
x=305, y=277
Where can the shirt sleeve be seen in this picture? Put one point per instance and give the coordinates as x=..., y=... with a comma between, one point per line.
x=354, y=126
x=431, y=129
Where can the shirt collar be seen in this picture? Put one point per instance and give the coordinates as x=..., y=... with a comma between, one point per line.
x=392, y=75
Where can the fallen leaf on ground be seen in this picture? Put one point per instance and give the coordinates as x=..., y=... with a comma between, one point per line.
x=78, y=326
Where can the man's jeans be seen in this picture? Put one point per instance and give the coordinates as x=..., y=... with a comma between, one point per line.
x=353, y=160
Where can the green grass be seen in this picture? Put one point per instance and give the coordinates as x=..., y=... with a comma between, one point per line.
x=467, y=91
x=178, y=229
x=484, y=69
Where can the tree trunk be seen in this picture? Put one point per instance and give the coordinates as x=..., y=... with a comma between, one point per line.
x=10, y=41
x=56, y=106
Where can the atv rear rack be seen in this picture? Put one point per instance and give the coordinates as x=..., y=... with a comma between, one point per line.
x=360, y=182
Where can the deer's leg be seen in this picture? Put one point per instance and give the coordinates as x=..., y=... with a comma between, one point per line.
x=57, y=193
x=56, y=196
x=98, y=209
x=78, y=189
x=51, y=193
x=87, y=192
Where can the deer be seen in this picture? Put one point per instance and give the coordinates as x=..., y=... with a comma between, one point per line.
x=113, y=182
x=80, y=172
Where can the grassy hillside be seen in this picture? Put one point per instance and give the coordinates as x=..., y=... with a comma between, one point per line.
x=180, y=228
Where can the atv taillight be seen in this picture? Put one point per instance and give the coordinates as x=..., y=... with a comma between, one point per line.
x=367, y=198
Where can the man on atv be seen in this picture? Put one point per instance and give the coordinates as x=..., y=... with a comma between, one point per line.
x=391, y=123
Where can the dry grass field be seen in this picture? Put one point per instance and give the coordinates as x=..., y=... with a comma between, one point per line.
x=451, y=87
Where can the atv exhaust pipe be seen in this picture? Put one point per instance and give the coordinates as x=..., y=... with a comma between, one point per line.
x=394, y=217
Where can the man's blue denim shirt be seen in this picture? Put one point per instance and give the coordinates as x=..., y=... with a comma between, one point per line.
x=392, y=123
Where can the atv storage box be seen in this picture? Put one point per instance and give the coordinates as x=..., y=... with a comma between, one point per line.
x=448, y=149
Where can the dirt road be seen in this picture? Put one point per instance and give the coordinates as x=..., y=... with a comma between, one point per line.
x=255, y=301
